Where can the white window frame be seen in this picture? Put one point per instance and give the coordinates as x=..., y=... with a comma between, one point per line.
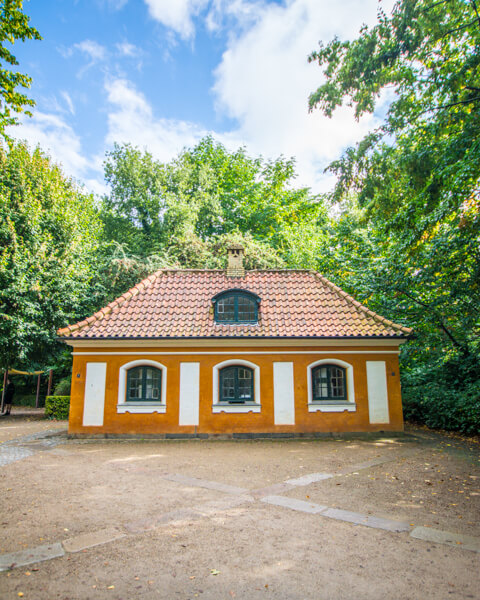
x=325, y=405
x=218, y=407
x=141, y=407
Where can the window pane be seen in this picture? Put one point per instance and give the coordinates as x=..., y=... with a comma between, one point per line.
x=236, y=384
x=246, y=309
x=244, y=384
x=135, y=389
x=329, y=383
x=152, y=383
x=337, y=382
x=144, y=383
x=228, y=384
x=320, y=384
x=226, y=309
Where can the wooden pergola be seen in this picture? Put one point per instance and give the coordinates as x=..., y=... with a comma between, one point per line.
x=38, y=374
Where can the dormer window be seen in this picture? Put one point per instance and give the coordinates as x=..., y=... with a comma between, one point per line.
x=236, y=306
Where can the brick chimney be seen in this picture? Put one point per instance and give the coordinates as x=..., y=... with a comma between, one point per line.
x=235, y=268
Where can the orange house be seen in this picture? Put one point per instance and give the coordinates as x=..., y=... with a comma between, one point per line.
x=208, y=352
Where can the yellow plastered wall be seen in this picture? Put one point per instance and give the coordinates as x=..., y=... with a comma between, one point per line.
x=210, y=423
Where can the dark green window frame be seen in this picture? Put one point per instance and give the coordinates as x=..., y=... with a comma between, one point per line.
x=230, y=377
x=139, y=374
x=334, y=383
x=236, y=297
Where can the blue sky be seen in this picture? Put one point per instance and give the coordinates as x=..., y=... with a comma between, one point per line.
x=160, y=74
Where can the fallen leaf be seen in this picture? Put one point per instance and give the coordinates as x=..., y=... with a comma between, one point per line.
x=214, y=572
x=20, y=594
x=111, y=587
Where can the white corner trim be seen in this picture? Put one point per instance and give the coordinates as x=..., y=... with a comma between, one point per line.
x=236, y=408
x=350, y=387
x=123, y=406
x=317, y=407
x=128, y=408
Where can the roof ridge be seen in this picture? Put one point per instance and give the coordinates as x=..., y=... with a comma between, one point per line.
x=98, y=316
x=360, y=306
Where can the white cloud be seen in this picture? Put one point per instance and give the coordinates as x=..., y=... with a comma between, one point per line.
x=264, y=81
x=129, y=50
x=55, y=137
x=176, y=14
x=95, y=51
x=131, y=120
x=68, y=101
x=243, y=13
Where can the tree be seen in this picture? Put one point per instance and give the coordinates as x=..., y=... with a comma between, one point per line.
x=416, y=182
x=183, y=208
x=49, y=234
x=14, y=25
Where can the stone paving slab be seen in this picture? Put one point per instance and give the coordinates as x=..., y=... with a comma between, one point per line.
x=457, y=540
x=89, y=540
x=294, y=504
x=308, y=479
x=204, y=483
x=30, y=556
x=366, y=520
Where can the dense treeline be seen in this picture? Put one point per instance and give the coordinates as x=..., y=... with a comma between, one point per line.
x=400, y=231
x=416, y=180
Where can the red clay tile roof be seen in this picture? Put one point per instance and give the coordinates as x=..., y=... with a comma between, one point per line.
x=178, y=304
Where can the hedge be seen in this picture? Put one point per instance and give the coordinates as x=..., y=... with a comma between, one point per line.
x=57, y=407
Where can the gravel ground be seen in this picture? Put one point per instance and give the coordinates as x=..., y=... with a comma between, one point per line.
x=220, y=541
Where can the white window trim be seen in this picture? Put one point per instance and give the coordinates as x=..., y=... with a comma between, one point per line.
x=141, y=407
x=254, y=407
x=323, y=405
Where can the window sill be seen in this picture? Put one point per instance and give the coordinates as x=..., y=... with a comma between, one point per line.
x=141, y=408
x=326, y=407
x=237, y=408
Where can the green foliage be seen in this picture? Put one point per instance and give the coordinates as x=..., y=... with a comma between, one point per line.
x=28, y=400
x=407, y=237
x=446, y=397
x=182, y=210
x=62, y=388
x=48, y=244
x=14, y=25
x=57, y=407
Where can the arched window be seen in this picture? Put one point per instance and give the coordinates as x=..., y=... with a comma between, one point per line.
x=144, y=384
x=236, y=384
x=329, y=383
x=236, y=306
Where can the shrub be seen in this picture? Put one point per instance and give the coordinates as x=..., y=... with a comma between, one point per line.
x=57, y=407
x=63, y=387
x=446, y=397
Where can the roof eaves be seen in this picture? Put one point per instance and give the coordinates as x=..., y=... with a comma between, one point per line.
x=243, y=337
x=99, y=315
x=359, y=306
